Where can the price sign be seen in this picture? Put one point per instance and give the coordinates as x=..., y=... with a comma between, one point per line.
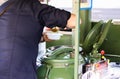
x=86, y=4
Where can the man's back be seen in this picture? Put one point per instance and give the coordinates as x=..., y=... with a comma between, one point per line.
x=19, y=36
x=21, y=28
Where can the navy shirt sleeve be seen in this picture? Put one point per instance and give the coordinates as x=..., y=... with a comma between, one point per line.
x=51, y=16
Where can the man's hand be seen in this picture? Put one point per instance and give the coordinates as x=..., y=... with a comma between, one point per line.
x=44, y=38
x=71, y=23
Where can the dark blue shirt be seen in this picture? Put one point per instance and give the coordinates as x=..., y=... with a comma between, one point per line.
x=21, y=27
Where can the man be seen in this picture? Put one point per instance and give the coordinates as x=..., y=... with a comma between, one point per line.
x=21, y=27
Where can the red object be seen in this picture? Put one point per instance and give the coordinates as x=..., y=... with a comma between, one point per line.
x=102, y=52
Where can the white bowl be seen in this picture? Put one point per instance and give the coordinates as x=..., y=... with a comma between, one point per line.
x=54, y=35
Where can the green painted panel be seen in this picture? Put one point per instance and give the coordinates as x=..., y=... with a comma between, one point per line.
x=112, y=43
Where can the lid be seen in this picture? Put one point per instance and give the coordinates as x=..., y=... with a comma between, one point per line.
x=59, y=55
x=61, y=52
x=96, y=36
x=92, y=37
x=103, y=34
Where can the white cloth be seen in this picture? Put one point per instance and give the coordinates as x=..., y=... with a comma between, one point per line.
x=41, y=53
x=2, y=1
x=91, y=75
x=113, y=72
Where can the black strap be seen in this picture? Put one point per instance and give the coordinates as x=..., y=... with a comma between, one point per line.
x=4, y=7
